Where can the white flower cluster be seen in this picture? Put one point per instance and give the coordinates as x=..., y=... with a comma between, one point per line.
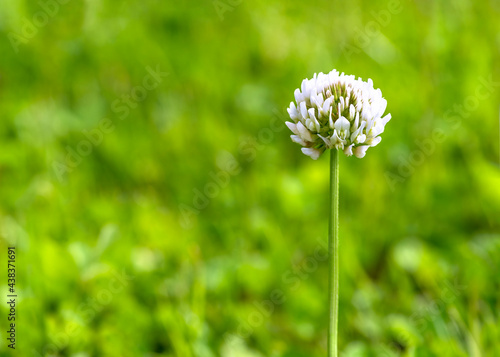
x=337, y=111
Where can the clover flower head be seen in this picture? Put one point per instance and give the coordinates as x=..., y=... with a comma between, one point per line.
x=337, y=111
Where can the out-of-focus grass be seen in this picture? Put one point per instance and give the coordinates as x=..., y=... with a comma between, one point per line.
x=122, y=257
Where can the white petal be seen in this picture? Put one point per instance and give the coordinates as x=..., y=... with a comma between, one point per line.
x=352, y=111
x=386, y=119
x=304, y=87
x=297, y=139
x=369, y=124
x=313, y=153
x=358, y=132
x=292, y=111
x=360, y=151
x=348, y=150
x=314, y=91
x=337, y=142
x=375, y=141
x=292, y=127
x=342, y=124
x=330, y=120
x=327, y=142
x=303, y=132
x=317, y=126
x=310, y=124
x=334, y=139
x=298, y=96
x=377, y=129
x=303, y=110
x=311, y=113
x=319, y=100
x=360, y=139
x=327, y=104
x=366, y=114
x=356, y=121
x=382, y=106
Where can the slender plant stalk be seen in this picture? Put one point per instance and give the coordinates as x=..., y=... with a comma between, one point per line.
x=333, y=250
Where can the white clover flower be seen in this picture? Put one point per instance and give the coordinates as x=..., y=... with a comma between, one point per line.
x=336, y=111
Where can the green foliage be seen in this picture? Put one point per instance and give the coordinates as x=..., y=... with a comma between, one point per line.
x=185, y=222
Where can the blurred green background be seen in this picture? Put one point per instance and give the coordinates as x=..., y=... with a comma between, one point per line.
x=159, y=208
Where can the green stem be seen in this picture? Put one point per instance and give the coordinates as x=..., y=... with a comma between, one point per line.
x=333, y=250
